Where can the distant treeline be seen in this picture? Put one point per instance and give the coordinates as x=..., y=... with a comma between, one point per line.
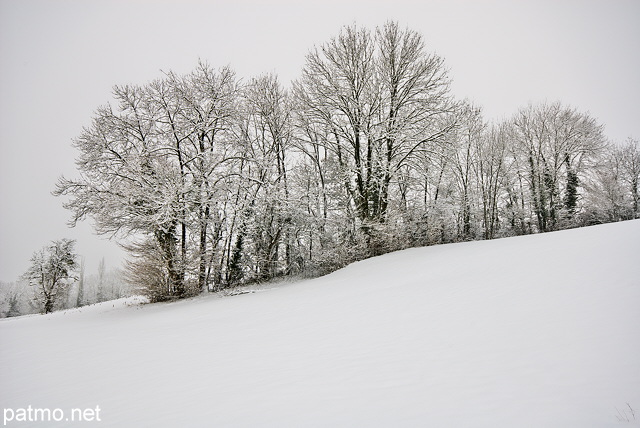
x=22, y=298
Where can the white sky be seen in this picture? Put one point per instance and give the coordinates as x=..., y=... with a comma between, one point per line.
x=60, y=58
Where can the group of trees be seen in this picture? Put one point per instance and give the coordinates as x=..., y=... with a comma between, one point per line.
x=56, y=280
x=210, y=181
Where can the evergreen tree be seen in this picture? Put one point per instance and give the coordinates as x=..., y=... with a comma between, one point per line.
x=571, y=193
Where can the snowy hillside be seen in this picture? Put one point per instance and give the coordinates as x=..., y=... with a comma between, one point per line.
x=534, y=331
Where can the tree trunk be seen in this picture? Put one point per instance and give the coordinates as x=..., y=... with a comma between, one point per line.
x=168, y=242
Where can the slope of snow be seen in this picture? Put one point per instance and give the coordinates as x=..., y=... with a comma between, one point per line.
x=534, y=331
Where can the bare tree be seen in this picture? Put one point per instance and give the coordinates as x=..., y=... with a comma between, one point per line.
x=490, y=170
x=151, y=171
x=266, y=132
x=198, y=112
x=339, y=91
x=630, y=164
x=129, y=182
x=613, y=185
x=414, y=105
x=465, y=159
x=558, y=144
x=374, y=101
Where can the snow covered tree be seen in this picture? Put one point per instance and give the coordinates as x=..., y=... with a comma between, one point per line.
x=266, y=135
x=152, y=169
x=80, y=298
x=613, y=186
x=128, y=182
x=51, y=272
x=374, y=100
x=198, y=115
x=339, y=90
x=11, y=299
x=630, y=163
x=557, y=144
x=490, y=170
x=465, y=157
x=414, y=103
x=100, y=292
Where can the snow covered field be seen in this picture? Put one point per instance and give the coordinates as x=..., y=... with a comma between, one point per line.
x=534, y=331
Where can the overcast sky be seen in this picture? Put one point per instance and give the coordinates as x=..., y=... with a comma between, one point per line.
x=60, y=59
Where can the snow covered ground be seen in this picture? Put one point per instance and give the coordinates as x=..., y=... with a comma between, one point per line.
x=534, y=331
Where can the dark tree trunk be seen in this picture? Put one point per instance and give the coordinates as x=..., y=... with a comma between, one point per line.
x=167, y=240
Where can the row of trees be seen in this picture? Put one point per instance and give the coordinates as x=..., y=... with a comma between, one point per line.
x=210, y=181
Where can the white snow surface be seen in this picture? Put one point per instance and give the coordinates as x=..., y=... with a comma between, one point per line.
x=534, y=331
